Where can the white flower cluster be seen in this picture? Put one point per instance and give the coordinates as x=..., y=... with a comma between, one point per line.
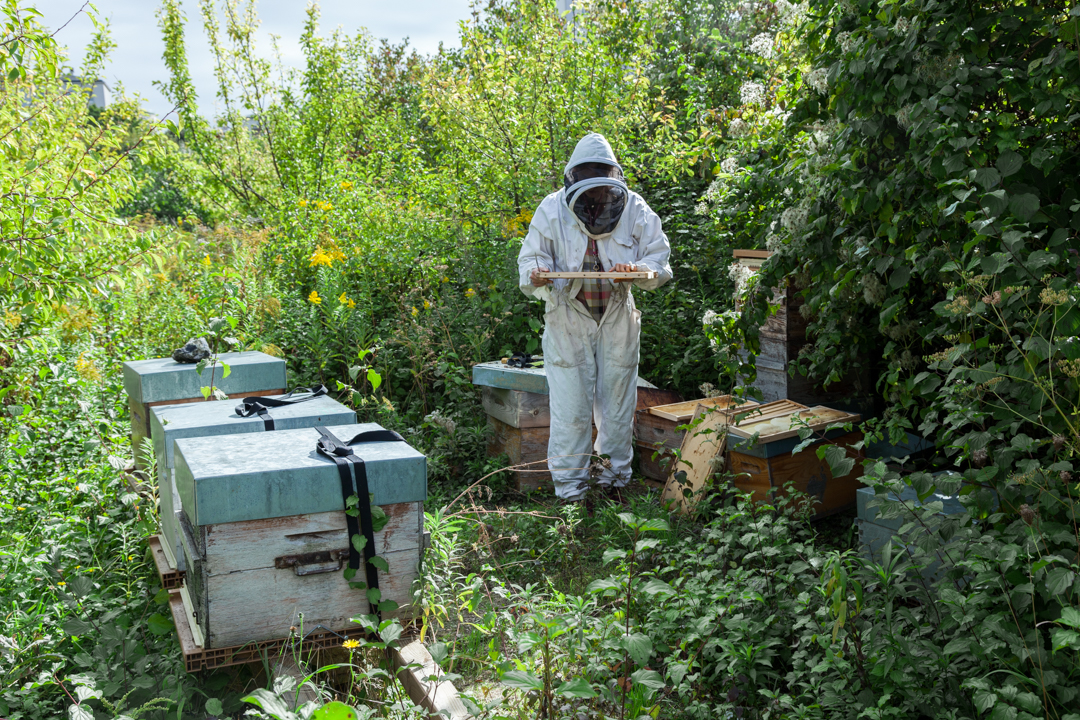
x=791, y=14
x=752, y=93
x=818, y=79
x=903, y=116
x=794, y=219
x=936, y=70
x=738, y=128
x=729, y=165
x=847, y=41
x=763, y=45
x=847, y=7
x=872, y=289
x=740, y=275
x=903, y=26
x=773, y=242
x=709, y=317
x=446, y=423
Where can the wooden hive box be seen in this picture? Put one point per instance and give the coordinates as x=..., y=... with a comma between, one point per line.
x=264, y=532
x=169, y=423
x=657, y=433
x=163, y=381
x=767, y=463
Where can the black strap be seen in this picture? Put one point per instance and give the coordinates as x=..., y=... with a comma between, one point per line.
x=261, y=405
x=355, y=483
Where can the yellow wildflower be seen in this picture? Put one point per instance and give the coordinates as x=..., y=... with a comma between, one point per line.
x=20, y=508
x=350, y=644
x=314, y=297
x=346, y=185
x=445, y=279
x=350, y=304
x=206, y=261
x=346, y=301
x=279, y=259
x=86, y=369
x=302, y=203
x=415, y=312
x=319, y=257
x=130, y=558
x=61, y=583
x=427, y=304
x=470, y=292
x=78, y=566
x=12, y=318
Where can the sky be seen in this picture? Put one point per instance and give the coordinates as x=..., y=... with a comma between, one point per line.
x=137, y=63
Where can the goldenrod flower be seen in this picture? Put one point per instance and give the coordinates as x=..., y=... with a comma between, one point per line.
x=314, y=297
x=427, y=304
x=350, y=644
x=470, y=292
x=20, y=508
x=206, y=261
x=12, y=318
x=445, y=279
x=302, y=203
x=346, y=185
x=415, y=312
x=319, y=257
x=346, y=301
x=86, y=369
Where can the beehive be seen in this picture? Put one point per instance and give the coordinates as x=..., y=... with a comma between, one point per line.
x=163, y=381
x=169, y=423
x=264, y=531
x=767, y=462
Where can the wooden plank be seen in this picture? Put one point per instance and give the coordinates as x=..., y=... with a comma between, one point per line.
x=784, y=426
x=522, y=445
x=762, y=254
x=701, y=444
x=588, y=275
x=655, y=431
x=684, y=411
x=655, y=462
x=516, y=408
x=189, y=609
x=253, y=544
x=439, y=696
x=263, y=604
x=807, y=474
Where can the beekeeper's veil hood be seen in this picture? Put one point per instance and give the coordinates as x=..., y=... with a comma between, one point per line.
x=596, y=191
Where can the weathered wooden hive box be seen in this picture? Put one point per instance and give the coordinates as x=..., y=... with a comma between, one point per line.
x=163, y=381
x=264, y=532
x=657, y=433
x=169, y=423
x=516, y=403
x=768, y=463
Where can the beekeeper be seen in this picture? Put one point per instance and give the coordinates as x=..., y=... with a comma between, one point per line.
x=592, y=330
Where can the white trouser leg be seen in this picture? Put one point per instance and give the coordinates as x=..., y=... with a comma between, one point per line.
x=570, y=365
x=617, y=347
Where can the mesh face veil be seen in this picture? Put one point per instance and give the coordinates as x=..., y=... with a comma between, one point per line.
x=596, y=193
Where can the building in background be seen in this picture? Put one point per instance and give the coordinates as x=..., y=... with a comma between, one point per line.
x=99, y=95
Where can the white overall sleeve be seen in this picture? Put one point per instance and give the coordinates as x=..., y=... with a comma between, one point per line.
x=537, y=250
x=653, y=247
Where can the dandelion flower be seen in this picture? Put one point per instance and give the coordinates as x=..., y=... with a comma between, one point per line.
x=314, y=298
x=61, y=583
x=350, y=644
x=470, y=292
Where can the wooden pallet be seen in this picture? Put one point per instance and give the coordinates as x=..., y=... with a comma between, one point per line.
x=170, y=577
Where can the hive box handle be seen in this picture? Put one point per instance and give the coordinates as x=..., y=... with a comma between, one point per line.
x=313, y=563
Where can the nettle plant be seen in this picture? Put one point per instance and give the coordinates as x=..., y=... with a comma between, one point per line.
x=920, y=196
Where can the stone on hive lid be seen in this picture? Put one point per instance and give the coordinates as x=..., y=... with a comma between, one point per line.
x=280, y=474
x=163, y=379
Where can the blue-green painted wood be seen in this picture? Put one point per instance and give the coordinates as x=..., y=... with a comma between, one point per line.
x=169, y=423
x=266, y=475
x=534, y=380
x=950, y=505
x=164, y=379
x=775, y=448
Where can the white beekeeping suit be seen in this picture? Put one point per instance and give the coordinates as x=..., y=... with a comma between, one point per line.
x=591, y=363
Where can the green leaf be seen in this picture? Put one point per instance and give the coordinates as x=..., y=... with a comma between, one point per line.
x=160, y=624
x=602, y=585
x=75, y=626
x=359, y=542
x=379, y=563
x=226, y=371
x=391, y=632
x=374, y=378
x=379, y=518
x=439, y=652
x=639, y=645
x=78, y=712
x=374, y=595
x=335, y=710
x=649, y=678
x=839, y=462
x=1059, y=580
x=1009, y=163
x=270, y=704
x=576, y=688
x=613, y=554
x=388, y=606
x=522, y=680
x=81, y=586
x=655, y=586
x=1070, y=616
x=213, y=707
x=1024, y=205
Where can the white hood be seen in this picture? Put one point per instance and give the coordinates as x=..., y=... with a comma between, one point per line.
x=594, y=147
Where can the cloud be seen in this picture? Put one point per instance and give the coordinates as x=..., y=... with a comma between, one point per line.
x=136, y=62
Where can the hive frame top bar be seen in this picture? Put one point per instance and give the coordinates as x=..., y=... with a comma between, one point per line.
x=636, y=275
